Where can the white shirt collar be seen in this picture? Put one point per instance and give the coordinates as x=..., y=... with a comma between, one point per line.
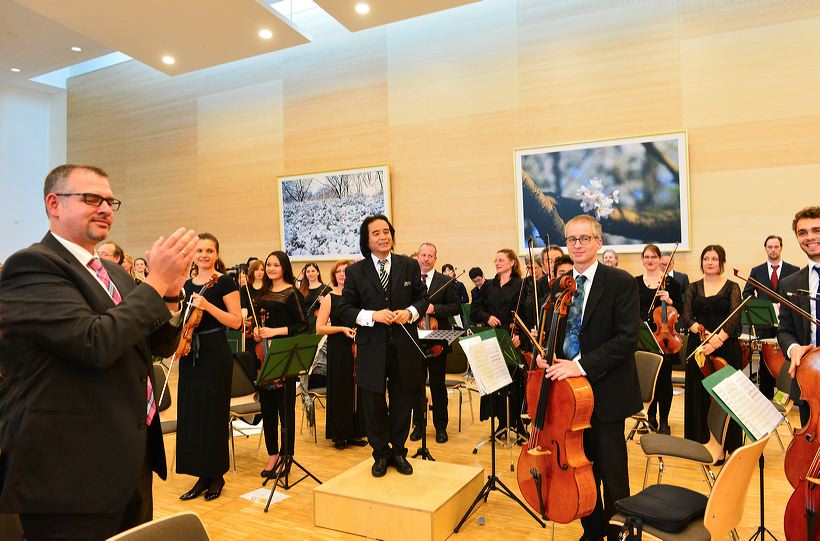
x=376, y=260
x=589, y=273
x=82, y=255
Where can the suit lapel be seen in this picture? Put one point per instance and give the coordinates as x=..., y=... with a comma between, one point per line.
x=370, y=272
x=92, y=290
x=396, y=275
x=595, y=293
x=804, y=302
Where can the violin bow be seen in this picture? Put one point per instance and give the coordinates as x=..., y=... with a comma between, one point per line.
x=663, y=280
x=719, y=327
x=780, y=299
x=449, y=281
x=535, y=282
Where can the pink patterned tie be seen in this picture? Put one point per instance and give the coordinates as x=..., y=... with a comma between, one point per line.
x=97, y=266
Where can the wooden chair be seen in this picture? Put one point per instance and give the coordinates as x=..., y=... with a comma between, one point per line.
x=724, y=508
x=648, y=366
x=705, y=454
x=180, y=527
x=784, y=383
x=169, y=426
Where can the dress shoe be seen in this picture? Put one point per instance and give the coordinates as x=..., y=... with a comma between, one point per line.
x=441, y=436
x=215, y=490
x=402, y=466
x=379, y=467
x=664, y=428
x=357, y=443
x=340, y=445
x=416, y=434
x=266, y=473
x=653, y=423
x=197, y=489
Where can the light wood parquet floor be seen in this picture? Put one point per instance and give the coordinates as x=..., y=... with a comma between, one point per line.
x=232, y=518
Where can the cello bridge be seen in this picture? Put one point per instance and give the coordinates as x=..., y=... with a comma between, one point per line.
x=537, y=451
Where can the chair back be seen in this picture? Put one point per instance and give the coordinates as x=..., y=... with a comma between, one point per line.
x=159, y=383
x=718, y=422
x=10, y=527
x=784, y=379
x=241, y=385
x=456, y=360
x=724, y=510
x=182, y=526
x=648, y=366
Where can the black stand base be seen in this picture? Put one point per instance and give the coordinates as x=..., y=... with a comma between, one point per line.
x=281, y=476
x=494, y=483
x=761, y=531
x=423, y=451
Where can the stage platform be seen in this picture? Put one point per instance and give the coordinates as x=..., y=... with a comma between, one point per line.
x=424, y=506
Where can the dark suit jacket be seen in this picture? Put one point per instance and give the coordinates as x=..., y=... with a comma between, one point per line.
x=363, y=291
x=72, y=403
x=609, y=333
x=794, y=329
x=761, y=274
x=446, y=302
x=683, y=280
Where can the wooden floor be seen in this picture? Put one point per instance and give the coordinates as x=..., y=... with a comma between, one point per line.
x=234, y=518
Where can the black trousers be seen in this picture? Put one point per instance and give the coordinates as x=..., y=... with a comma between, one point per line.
x=388, y=426
x=605, y=446
x=279, y=406
x=139, y=509
x=438, y=392
x=663, y=390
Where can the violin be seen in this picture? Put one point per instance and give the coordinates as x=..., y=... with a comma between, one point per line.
x=430, y=323
x=666, y=317
x=708, y=364
x=554, y=475
x=261, y=347
x=191, y=321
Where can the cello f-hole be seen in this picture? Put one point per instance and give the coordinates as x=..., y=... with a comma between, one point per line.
x=564, y=467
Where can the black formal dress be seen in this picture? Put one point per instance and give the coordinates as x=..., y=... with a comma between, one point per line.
x=500, y=301
x=663, y=386
x=205, y=391
x=343, y=421
x=709, y=312
x=278, y=400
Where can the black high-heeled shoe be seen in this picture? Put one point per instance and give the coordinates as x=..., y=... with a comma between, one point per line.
x=215, y=489
x=200, y=487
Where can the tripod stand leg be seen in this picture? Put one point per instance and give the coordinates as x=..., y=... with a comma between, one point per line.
x=482, y=494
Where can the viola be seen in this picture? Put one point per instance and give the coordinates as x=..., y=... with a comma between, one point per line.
x=191, y=320
x=554, y=475
x=261, y=348
x=708, y=364
x=665, y=318
x=802, y=463
x=429, y=323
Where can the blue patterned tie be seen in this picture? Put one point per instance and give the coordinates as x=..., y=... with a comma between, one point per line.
x=572, y=346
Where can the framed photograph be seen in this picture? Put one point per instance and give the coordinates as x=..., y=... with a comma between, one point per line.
x=320, y=213
x=637, y=187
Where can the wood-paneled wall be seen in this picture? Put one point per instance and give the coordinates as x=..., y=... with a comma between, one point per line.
x=445, y=99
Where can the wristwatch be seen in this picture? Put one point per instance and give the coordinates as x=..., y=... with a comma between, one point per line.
x=179, y=298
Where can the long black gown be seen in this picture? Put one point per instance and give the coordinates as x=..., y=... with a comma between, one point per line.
x=710, y=312
x=205, y=391
x=343, y=421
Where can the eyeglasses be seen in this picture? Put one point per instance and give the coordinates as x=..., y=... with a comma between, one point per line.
x=583, y=240
x=95, y=200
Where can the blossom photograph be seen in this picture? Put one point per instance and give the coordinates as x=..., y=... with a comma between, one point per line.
x=636, y=187
x=320, y=213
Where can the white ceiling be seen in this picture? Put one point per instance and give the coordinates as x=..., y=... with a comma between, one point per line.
x=36, y=36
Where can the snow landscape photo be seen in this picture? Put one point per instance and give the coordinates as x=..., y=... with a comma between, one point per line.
x=320, y=213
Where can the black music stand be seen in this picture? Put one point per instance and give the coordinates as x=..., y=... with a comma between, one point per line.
x=287, y=358
x=493, y=482
x=758, y=313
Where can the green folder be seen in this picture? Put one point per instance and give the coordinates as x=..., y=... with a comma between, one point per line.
x=288, y=357
x=647, y=341
x=726, y=372
x=511, y=355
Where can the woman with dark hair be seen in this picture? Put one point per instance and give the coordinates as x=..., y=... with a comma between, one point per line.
x=311, y=288
x=140, y=269
x=282, y=303
x=343, y=424
x=205, y=376
x=450, y=271
x=494, y=308
x=648, y=284
x=707, y=303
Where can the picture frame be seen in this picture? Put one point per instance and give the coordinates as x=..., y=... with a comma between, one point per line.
x=320, y=213
x=637, y=187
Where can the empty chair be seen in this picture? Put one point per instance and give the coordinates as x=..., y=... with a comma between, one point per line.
x=648, y=366
x=180, y=527
x=241, y=386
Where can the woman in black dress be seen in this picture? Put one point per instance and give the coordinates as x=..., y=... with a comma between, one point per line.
x=311, y=288
x=494, y=308
x=205, y=375
x=706, y=304
x=250, y=285
x=343, y=424
x=648, y=283
x=282, y=303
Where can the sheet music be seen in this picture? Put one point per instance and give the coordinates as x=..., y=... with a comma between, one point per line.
x=753, y=409
x=487, y=363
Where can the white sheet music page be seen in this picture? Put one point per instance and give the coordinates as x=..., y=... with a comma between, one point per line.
x=753, y=409
x=487, y=363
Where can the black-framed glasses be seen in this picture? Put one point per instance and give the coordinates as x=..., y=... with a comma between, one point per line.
x=583, y=240
x=96, y=200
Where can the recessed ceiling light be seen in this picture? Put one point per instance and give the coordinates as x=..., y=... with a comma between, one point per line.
x=362, y=8
x=168, y=59
x=265, y=33
x=77, y=49
x=15, y=70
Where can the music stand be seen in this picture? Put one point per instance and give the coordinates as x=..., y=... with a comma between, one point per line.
x=647, y=340
x=758, y=313
x=287, y=358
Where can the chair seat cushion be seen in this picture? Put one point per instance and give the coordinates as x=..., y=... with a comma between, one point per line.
x=454, y=382
x=673, y=446
x=239, y=410
x=320, y=391
x=696, y=531
x=169, y=426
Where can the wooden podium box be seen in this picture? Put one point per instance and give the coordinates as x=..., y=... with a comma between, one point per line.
x=424, y=506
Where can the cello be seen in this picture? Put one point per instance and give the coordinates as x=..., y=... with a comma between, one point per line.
x=554, y=475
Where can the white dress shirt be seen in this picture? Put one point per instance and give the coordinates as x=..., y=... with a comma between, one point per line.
x=365, y=317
